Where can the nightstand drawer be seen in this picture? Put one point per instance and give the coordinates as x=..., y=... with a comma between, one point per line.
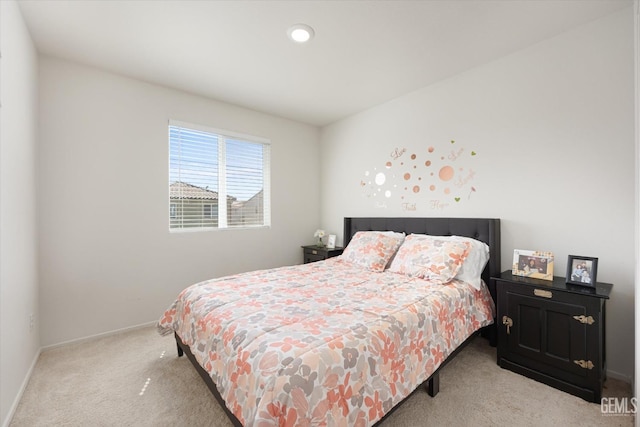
x=313, y=256
x=315, y=253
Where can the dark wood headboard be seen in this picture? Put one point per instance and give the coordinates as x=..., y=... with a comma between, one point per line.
x=486, y=230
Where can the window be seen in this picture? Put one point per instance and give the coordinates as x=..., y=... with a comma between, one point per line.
x=207, y=211
x=208, y=166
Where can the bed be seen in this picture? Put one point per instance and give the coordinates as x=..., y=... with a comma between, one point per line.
x=342, y=341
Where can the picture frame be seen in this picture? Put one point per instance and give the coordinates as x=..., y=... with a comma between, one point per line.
x=331, y=241
x=582, y=270
x=533, y=264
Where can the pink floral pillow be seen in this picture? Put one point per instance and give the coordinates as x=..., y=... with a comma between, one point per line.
x=372, y=249
x=430, y=257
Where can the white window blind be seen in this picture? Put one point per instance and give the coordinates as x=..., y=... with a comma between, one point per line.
x=217, y=179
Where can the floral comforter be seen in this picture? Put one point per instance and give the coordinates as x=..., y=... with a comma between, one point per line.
x=322, y=344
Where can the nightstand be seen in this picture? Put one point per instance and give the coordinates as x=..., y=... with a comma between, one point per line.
x=314, y=253
x=553, y=332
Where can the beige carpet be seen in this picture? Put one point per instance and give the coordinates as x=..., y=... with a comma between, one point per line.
x=136, y=379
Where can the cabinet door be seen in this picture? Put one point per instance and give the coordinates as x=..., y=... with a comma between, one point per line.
x=553, y=336
x=546, y=336
x=546, y=332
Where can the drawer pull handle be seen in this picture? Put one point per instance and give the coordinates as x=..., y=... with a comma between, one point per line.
x=542, y=293
x=585, y=319
x=584, y=364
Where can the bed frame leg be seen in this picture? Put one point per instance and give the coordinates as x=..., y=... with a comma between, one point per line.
x=180, y=351
x=433, y=385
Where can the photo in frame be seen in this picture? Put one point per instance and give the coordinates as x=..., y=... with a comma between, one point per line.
x=533, y=264
x=331, y=241
x=582, y=270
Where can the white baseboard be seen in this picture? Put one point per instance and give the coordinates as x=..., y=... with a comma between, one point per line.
x=618, y=376
x=16, y=401
x=100, y=335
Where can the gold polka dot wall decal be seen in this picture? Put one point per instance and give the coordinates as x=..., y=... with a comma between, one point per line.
x=446, y=173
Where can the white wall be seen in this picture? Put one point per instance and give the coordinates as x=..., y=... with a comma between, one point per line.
x=107, y=259
x=19, y=344
x=552, y=128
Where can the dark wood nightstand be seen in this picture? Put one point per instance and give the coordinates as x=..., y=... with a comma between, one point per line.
x=314, y=253
x=553, y=332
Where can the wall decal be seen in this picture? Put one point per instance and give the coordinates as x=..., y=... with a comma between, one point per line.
x=428, y=178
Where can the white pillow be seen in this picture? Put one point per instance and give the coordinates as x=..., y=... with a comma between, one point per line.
x=398, y=235
x=475, y=262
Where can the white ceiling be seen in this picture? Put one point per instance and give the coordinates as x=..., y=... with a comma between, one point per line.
x=364, y=52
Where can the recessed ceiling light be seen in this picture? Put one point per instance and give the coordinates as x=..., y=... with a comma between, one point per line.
x=300, y=33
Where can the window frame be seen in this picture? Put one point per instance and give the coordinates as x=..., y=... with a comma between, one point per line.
x=222, y=136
